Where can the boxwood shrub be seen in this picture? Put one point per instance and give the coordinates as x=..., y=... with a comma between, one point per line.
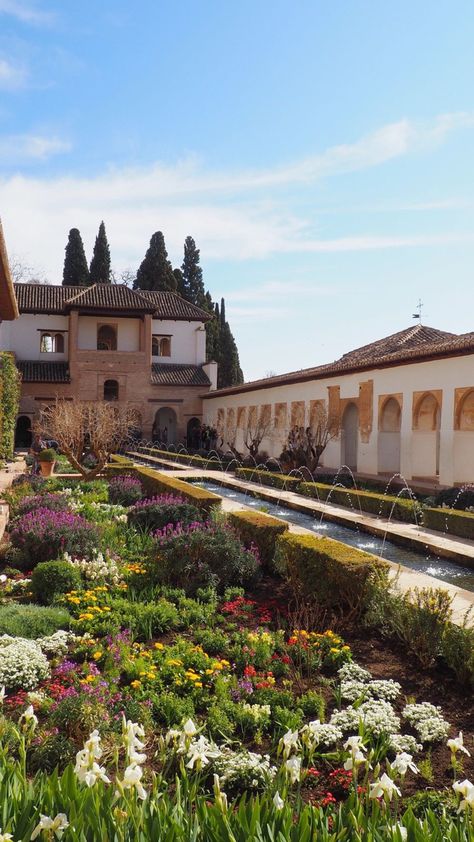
x=52, y=578
x=450, y=521
x=269, y=478
x=327, y=571
x=259, y=529
x=384, y=505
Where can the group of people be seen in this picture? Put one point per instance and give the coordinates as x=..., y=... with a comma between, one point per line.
x=202, y=437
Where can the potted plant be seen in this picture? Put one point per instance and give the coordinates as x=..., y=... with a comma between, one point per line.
x=46, y=460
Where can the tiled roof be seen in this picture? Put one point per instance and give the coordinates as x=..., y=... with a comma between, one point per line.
x=44, y=372
x=46, y=298
x=410, y=345
x=170, y=305
x=174, y=374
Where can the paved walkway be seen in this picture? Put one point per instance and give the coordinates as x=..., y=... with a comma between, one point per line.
x=406, y=578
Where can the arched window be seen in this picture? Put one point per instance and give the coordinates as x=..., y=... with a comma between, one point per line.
x=427, y=413
x=165, y=347
x=390, y=418
x=161, y=346
x=155, y=346
x=46, y=345
x=111, y=390
x=59, y=343
x=107, y=338
x=466, y=413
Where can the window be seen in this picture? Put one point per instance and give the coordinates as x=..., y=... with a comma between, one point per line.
x=111, y=390
x=107, y=338
x=161, y=346
x=52, y=343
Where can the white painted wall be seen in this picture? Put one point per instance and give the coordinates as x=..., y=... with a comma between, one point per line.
x=128, y=332
x=188, y=341
x=23, y=336
x=417, y=450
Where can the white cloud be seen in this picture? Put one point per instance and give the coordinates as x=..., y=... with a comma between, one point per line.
x=12, y=76
x=225, y=212
x=17, y=149
x=24, y=12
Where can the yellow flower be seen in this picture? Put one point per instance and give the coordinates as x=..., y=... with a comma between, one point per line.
x=159, y=646
x=86, y=616
x=198, y=684
x=151, y=675
x=97, y=655
x=135, y=683
x=88, y=679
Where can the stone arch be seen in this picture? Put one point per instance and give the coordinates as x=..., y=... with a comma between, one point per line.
x=350, y=436
x=466, y=412
x=389, y=443
x=166, y=422
x=427, y=413
x=23, y=432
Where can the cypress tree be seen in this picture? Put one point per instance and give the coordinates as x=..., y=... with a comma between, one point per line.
x=212, y=330
x=229, y=372
x=192, y=274
x=76, y=271
x=179, y=282
x=156, y=272
x=100, y=263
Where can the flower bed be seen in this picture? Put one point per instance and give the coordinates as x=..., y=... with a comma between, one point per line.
x=183, y=705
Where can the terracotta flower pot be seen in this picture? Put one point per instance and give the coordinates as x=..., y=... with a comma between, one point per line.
x=46, y=468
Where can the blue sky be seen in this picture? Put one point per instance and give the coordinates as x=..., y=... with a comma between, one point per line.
x=320, y=153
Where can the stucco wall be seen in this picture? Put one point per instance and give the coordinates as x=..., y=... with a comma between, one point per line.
x=23, y=336
x=417, y=449
x=128, y=332
x=188, y=341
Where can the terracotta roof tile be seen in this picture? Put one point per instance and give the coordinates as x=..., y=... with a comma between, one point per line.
x=47, y=298
x=175, y=374
x=410, y=345
x=43, y=372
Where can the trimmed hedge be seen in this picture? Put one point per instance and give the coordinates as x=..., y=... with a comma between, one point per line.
x=9, y=403
x=184, y=458
x=260, y=529
x=399, y=508
x=328, y=572
x=450, y=521
x=268, y=478
x=155, y=483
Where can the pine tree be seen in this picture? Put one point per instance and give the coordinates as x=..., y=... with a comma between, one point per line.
x=156, y=272
x=100, y=263
x=76, y=271
x=192, y=274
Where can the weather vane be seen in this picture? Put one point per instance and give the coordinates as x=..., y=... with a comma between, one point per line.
x=419, y=307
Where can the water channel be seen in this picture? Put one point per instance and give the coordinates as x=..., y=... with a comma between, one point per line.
x=448, y=571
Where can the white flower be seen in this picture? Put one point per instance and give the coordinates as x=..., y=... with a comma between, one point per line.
x=465, y=788
x=402, y=832
x=132, y=780
x=293, y=767
x=131, y=731
x=5, y=837
x=200, y=752
x=427, y=721
x=28, y=719
x=87, y=769
x=383, y=787
x=317, y=732
x=2, y=694
x=289, y=742
x=220, y=797
x=457, y=744
x=3, y=578
x=402, y=763
x=357, y=756
x=278, y=801
x=57, y=825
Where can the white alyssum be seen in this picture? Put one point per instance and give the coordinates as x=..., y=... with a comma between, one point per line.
x=376, y=715
x=404, y=742
x=55, y=644
x=244, y=769
x=352, y=690
x=386, y=689
x=427, y=720
x=346, y=720
x=317, y=733
x=22, y=664
x=353, y=672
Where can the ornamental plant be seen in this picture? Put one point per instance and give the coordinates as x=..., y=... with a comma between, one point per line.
x=125, y=490
x=51, y=578
x=202, y=555
x=22, y=664
x=43, y=534
x=156, y=512
x=53, y=502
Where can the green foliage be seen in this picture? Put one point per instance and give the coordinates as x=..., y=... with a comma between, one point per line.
x=229, y=372
x=100, y=263
x=52, y=578
x=450, y=521
x=312, y=704
x=156, y=271
x=192, y=283
x=32, y=621
x=327, y=571
x=169, y=709
x=259, y=529
x=150, y=515
x=269, y=478
x=146, y=620
x=76, y=271
x=197, y=558
x=457, y=647
x=9, y=402
x=383, y=505
x=54, y=752
x=47, y=455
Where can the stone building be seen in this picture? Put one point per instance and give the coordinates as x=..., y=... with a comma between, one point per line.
x=403, y=404
x=108, y=342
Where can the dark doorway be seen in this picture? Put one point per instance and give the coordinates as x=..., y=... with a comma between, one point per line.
x=23, y=434
x=192, y=434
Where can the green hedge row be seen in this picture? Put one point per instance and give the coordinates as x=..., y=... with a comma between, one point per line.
x=268, y=478
x=327, y=571
x=9, y=403
x=183, y=458
x=399, y=508
x=155, y=483
x=260, y=529
x=450, y=521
